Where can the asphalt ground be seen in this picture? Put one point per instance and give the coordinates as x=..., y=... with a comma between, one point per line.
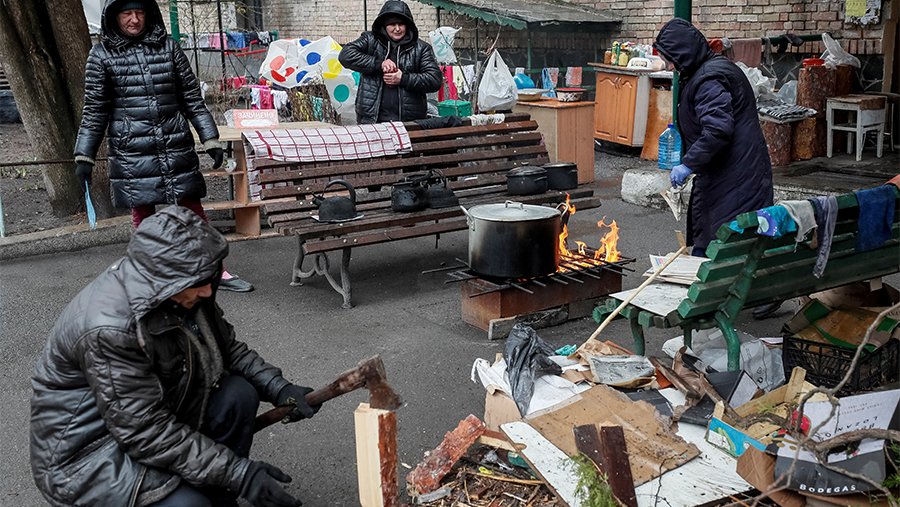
x=411, y=319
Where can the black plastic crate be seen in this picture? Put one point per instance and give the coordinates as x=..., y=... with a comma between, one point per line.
x=826, y=364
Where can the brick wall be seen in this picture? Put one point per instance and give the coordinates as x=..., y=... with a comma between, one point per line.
x=343, y=20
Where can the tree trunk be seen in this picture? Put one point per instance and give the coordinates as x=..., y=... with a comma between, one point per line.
x=44, y=45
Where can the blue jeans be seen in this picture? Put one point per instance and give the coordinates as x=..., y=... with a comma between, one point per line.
x=229, y=421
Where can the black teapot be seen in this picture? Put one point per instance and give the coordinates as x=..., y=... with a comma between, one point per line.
x=336, y=208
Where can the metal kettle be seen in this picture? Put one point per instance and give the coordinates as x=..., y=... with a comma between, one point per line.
x=336, y=208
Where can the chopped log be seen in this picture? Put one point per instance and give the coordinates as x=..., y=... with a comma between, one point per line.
x=608, y=451
x=427, y=475
x=814, y=86
x=843, y=80
x=809, y=139
x=779, y=141
x=376, y=456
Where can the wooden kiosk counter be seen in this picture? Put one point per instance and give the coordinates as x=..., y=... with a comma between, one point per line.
x=567, y=128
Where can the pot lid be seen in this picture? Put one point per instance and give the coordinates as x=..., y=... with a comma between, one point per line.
x=564, y=165
x=512, y=212
x=527, y=170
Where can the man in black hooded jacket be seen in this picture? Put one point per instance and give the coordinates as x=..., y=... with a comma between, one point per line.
x=143, y=396
x=396, y=68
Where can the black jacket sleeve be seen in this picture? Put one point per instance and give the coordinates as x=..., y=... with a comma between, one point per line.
x=429, y=77
x=96, y=110
x=716, y=116
x=359, y=55
x=193, y=106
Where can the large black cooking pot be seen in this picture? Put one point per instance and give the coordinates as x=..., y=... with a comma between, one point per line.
x=562, y=175
x=513, y=240
x=526, y=180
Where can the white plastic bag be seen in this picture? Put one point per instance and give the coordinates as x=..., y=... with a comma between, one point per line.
x=788, y=92
x=442, y=43
x=497, y=90
x=835, y=55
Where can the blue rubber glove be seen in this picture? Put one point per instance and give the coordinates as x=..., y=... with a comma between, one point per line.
x=679, y=174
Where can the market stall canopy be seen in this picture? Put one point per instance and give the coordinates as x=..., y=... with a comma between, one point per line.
x=534, y=15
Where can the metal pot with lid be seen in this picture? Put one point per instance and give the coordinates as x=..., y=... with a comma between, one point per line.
x=514, y=240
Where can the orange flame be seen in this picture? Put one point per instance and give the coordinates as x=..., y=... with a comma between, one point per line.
x=563, y=251
x=607, y=250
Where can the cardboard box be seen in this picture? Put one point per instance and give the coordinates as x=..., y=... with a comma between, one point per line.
x=725, y=435
x=499, y=409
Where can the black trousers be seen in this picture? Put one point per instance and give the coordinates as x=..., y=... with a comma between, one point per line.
x=229, y=421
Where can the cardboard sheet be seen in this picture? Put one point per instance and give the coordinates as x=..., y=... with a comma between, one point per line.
x=653, y=448
x=659, y=298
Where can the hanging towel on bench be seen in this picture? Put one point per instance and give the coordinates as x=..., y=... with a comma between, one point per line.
x=876, y=215
x=825, y=210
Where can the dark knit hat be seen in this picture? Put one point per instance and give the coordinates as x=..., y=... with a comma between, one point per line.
x=129, y=5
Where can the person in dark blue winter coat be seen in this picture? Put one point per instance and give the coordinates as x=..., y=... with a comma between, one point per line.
x=723, y=142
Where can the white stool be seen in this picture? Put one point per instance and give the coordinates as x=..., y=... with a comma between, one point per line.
x=867, y=113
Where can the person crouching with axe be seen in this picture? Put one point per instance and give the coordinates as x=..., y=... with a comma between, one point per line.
x=142, y=394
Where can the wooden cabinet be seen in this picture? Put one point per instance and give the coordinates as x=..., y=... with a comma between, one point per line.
x=567, y=129
x=620, y=107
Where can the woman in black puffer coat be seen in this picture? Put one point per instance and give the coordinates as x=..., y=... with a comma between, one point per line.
x=378, y=99
x=141, y=92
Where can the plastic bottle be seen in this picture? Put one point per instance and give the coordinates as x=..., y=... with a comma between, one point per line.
x=669, y=148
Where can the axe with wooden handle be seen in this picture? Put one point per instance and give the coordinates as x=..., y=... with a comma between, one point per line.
x=369, y=373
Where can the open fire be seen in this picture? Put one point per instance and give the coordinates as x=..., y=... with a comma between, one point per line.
x=583, y=256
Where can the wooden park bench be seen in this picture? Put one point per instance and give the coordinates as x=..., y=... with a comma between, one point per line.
x=746, y=269
x=474, y=159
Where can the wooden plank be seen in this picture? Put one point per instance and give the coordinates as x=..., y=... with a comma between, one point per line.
x=608, y=451
x=401, y=163
x=376, y=456
x=454, y=132
x=557, y=470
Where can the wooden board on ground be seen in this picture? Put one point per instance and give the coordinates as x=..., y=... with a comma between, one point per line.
x=609, y=453
x=550, y=463
x=652, y=447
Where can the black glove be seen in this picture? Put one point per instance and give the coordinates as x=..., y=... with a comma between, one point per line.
x=296, y=395
x=83, y=170
x=262, y=486
x=218, y=156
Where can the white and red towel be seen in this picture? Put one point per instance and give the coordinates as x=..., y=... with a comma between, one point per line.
x=323, y=145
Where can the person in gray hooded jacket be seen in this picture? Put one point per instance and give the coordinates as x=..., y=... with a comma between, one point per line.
x=143, y=395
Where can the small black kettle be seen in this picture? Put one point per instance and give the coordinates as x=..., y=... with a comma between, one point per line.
x=440, y=195
x=336, y=208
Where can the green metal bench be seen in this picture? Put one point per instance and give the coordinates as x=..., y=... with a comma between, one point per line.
x=747, y=270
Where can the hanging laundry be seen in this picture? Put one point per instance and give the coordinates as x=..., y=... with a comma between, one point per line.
x=459, y=79
x=218, y=41
x=803, y=214
x=469, y=73
x=519, y=70
x=265, y=38
x=774, y=221
x=747, y=51
x=279, y=99
x=876, y=215
x=236, y=40
x=825, y=209
x=549, y=78
x=573, y=76
x=448, y=88
x=237, y=82
x=203, y=40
